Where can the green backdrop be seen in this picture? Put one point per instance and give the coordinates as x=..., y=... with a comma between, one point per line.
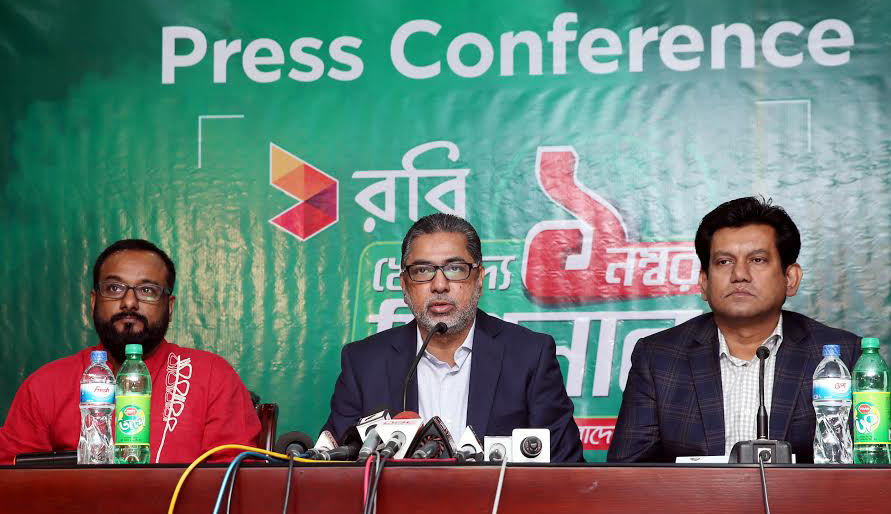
x=584, y=140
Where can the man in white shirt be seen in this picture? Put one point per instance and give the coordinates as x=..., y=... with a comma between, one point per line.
x=482, y=372
x=693, y=389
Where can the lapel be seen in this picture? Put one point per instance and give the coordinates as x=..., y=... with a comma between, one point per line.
x=789, y=374
x=706, y=372
x=485, y=370
x=404, y=348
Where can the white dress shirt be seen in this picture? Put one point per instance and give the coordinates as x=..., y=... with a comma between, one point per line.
x=739, y=381
x=443, y=389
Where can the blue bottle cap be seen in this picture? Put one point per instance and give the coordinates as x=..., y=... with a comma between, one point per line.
x=831, y=350
x=98, y=355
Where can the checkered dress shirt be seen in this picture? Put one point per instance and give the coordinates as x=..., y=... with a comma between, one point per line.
x=739, y=381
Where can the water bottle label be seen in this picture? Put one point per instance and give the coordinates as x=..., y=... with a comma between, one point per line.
x=97, y=393
x=131, y=419
x=871, y=411
x=832, y=389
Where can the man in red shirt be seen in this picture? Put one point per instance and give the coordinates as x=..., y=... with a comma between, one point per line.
x=198, y=400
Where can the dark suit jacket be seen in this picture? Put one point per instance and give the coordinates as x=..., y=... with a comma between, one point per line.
x=673, y=403
x=515, y=382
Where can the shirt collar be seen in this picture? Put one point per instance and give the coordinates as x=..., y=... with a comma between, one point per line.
x=461, y=353
x=772, y=342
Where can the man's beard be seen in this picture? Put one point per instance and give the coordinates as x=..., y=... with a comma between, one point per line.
x=457, y=321
x=115, y=342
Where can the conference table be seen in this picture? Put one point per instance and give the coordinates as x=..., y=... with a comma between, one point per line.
x=438, y=488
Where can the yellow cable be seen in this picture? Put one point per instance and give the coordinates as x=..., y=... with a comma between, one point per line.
x=241, y=447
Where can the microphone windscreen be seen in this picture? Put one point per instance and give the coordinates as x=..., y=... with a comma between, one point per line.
x=293, y=438
x=351, y=436
x=407, y=414
x=762, y=352
x=440, y=328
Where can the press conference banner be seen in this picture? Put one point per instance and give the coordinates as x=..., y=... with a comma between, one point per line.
x=280, y=150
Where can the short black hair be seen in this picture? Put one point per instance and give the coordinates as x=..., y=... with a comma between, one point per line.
x=139, y=245
x=749, y=211
x=441, y=222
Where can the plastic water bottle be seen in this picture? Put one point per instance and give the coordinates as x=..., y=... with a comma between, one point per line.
x=132, y=409
x=871, y=406
x=96, y=443
x=832, y=404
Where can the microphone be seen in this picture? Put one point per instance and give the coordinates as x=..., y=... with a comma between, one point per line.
x=763, y=353
x=469, y=448
x=348, y=449
x=293, y=444
x=368, y=422
x=439, y=328
x=372, y=442
x=433, y=442
x=397, y=433
x=531, y=445
x=497, y=448
x=761, y=449
x=56, y=458
x=325, y=442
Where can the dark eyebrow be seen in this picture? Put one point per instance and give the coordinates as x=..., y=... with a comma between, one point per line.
x=447, y=261
x=140, y=283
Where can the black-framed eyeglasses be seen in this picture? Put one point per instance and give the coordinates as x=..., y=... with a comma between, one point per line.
x=148, y=293
x=450, y=270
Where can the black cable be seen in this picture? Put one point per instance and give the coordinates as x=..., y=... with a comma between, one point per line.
x=371, y=500
x=763, y=482
x=373, y=458
x=288, y=485
x=366, y=509
x=377, y=480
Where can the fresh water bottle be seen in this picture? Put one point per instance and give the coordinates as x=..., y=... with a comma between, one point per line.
x=832, y=404
x=132, y=409
x=96, y=443
x=871, y=406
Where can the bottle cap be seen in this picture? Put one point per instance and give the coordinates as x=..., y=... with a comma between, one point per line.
x=869, y=342
x=98, y=355
x=133, y=349
x=831, y=350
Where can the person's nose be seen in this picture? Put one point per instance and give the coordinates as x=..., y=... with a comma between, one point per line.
x=439, y=284
x=740, y=272
x=129, y=302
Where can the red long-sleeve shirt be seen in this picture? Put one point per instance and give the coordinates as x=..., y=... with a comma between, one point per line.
x=198, y=402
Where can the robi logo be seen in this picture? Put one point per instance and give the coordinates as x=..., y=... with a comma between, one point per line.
x=316, y=191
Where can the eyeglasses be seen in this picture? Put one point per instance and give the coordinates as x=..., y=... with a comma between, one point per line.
x=451, y=271
x=148, y=293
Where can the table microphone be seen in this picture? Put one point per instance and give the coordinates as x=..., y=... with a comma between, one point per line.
x=62, y=458
x=761, y=449
x=293, y=443
x=439, y=328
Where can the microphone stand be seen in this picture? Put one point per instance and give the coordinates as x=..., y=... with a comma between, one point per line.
x=761, y=449
x=439, y=328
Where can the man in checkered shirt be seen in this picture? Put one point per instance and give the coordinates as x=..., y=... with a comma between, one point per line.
x=693, y=389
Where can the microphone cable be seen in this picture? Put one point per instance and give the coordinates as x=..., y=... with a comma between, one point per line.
x=371, y=500
x=287, y=486
x=208, y=453
x=500, y=484
x=233, y=466
x=763, y=484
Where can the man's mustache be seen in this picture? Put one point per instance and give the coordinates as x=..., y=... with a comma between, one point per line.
x=121, y=315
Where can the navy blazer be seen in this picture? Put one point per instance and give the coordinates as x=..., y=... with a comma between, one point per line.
x=515, y=382
x=673, y=403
